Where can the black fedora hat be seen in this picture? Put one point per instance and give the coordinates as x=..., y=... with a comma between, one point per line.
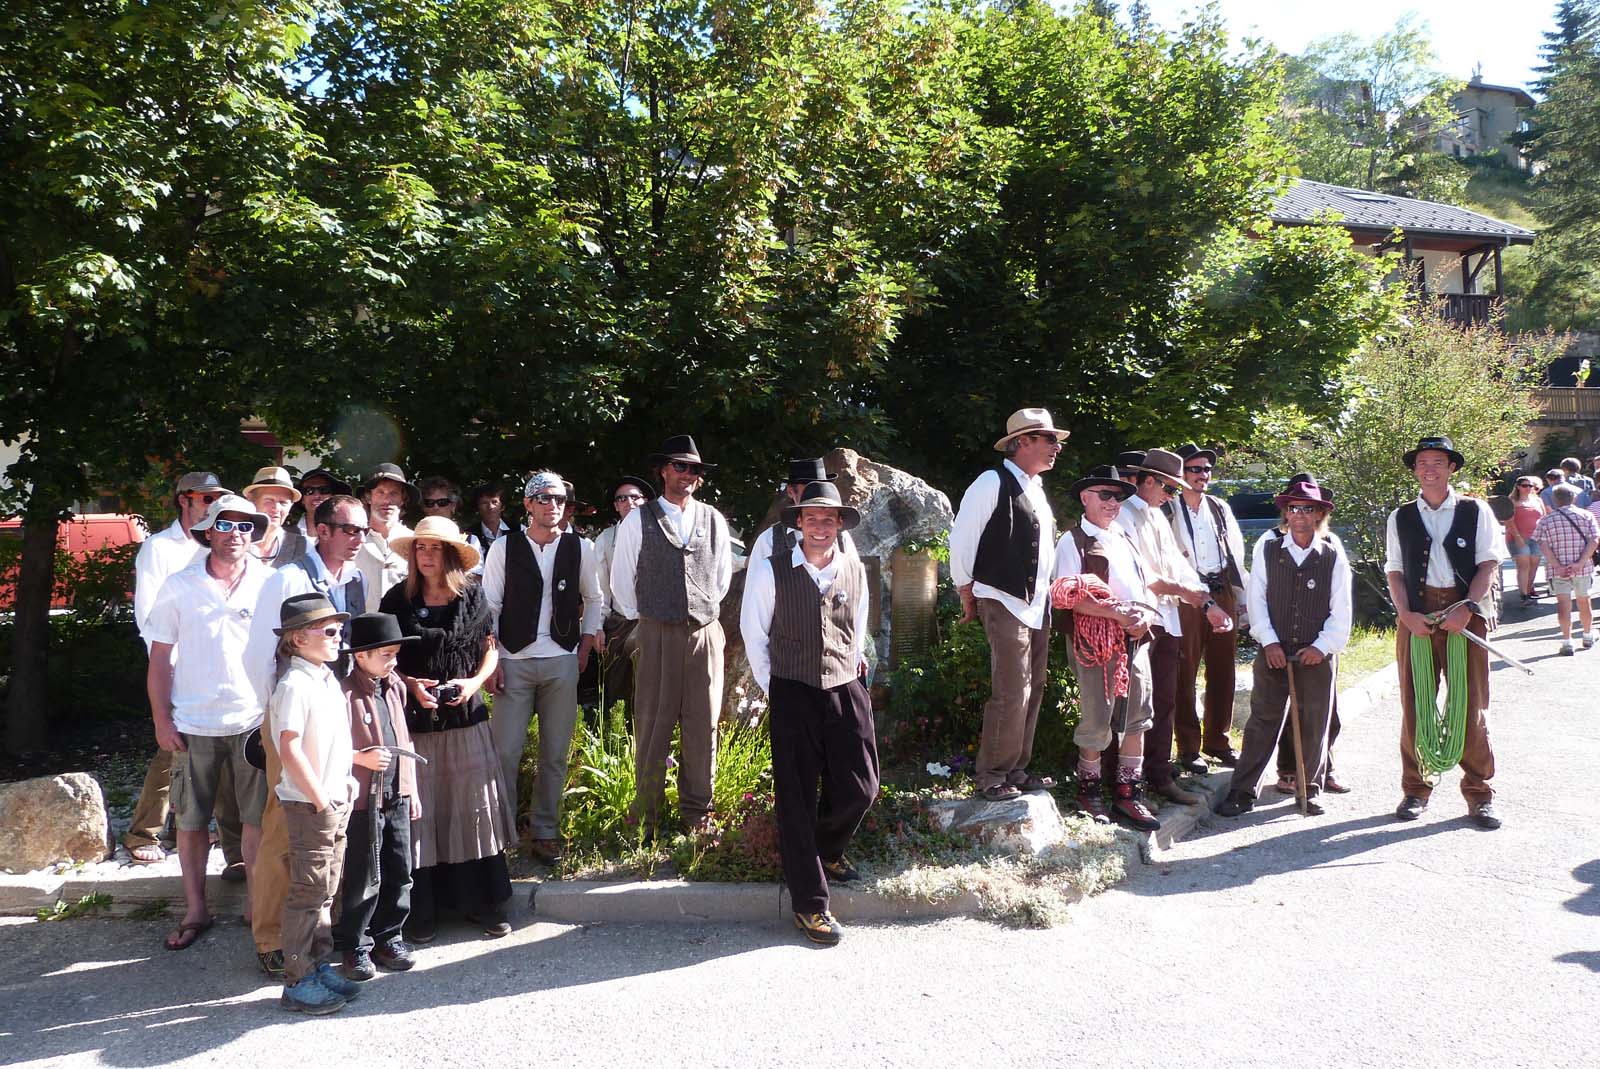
x=679, y=447
x=822, y=495
x=809, y=471
x=1439, y=442
x=643, y=486
x=392, y=473
x=1103, y=476
x=372, y=630
x=340, y=486
x=303, y=610
x=1188, y=451
x=1127, y=460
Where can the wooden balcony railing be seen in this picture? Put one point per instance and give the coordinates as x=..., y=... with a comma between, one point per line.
x=1471, y=308
x=1568, y=404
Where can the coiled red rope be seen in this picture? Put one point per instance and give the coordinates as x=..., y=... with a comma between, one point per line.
x=1097, y=641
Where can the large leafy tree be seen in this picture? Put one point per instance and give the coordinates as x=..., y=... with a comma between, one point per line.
x=149, y=221
x=1364, y=113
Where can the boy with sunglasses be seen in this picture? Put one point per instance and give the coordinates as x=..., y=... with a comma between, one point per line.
x=201, y=697
x=670, y=570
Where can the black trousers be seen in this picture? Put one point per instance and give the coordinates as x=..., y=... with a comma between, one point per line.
x=375, y=898
x=824, y=778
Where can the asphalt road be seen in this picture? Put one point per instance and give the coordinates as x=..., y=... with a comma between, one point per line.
x=1344, y=940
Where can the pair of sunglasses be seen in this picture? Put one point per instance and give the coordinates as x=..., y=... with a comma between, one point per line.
x=549, y=499
x=229, y=526
x=681, y=467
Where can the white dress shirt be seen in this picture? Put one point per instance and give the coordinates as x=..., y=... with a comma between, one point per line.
x=630, y=535
x=1158, y=546
x=760, y=600
x=310, y=702
x=165, y=553
x=494, y=592
x=1203, y=548
x=381, y=566
x=1489, y=542
x=977, y=506
x=1125, y=572
x=1335, y=633
x=208, y=628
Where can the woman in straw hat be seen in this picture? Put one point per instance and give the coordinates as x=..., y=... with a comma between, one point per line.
x=466, y=818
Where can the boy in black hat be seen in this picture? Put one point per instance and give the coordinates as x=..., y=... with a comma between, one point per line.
x=376, y=895
x=804, y=621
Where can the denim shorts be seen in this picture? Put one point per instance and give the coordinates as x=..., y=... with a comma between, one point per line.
x=1529, y=548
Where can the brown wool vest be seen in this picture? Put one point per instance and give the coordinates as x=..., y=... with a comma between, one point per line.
x=1299, y=596
x=813, y=637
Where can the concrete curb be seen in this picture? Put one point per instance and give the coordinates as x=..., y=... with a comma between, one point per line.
x=656, y=901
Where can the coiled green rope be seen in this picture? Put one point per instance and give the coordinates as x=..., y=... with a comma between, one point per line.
x=1440, y=736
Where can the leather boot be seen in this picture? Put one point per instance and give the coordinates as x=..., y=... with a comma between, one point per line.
x=1091, y=801
x=1127, y=801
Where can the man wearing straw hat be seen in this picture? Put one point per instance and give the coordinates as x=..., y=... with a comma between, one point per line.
x=670, y=570
x=201, y=696
x=273, y=494
x=543, y=592
x=1443, y=551
x=1000, y=562
x=804, y=621
x=1299, y=598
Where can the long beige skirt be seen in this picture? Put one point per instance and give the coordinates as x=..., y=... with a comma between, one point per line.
x=465, y=815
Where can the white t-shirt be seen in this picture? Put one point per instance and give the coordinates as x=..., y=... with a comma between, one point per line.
x=309, y=701
x=211, y=689
x=163, y=554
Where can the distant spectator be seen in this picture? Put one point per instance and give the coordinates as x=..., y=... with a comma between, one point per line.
x=490, y=523
x=1552, y=479
x=316, y=486
x=273, y=494
x=1573, y=470
x=1568, y=537
x=385, y=492
x=1527, y=511
x=439, y=497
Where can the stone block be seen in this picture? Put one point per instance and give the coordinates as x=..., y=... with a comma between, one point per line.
x=1028, y=824
x=52, y=819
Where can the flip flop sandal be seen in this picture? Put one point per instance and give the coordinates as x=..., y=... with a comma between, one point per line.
x=188, y=933
x=1285, y=785
x=149, y=854
x=1000, y=792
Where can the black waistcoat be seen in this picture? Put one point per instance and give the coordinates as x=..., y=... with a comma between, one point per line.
x=524, y=591
x=1416, y=545
x=1008, y=550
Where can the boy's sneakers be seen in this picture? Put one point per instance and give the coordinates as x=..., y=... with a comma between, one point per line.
x=1566, y=647
x=345, y=989
x=309, y=996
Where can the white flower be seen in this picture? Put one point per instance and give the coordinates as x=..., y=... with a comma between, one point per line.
x=936, y=769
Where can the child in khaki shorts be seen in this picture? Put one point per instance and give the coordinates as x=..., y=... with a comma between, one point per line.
x=309, y=723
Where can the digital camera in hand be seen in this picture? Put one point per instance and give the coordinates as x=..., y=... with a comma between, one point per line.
x=445, y=693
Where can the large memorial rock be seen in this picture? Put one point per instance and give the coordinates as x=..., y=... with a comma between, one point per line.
x=51, y=819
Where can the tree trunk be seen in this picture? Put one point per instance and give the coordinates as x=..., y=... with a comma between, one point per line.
x=28, y=707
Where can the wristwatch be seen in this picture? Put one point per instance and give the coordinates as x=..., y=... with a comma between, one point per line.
x=1210, y=603
x=1475, y=609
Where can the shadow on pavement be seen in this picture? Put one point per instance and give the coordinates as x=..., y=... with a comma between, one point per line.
x=1315, y=841
x=144, y=1007
x=1587, y=902
x=1589, y=959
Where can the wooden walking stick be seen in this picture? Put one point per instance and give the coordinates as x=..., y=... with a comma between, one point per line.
x=1300, y=786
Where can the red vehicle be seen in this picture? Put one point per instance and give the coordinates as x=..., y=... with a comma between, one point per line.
x=82, y=537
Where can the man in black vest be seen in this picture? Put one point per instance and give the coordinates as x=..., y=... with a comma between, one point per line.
x=1299, y=611
x=1000, y=562
x=544, y=594
x=1443, y=550
x=802, y=473
x=804, y=621
x=1210, y=537
x=670, y=570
